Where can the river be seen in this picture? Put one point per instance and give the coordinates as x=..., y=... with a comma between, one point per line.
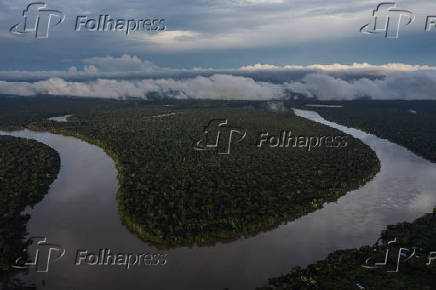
x=80, y=212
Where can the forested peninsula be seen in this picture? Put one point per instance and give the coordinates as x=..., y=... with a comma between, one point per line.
x=27, y=168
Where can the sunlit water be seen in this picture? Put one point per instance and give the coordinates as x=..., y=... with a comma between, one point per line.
x=80, y=212
x=60, y=119
x=323, y=106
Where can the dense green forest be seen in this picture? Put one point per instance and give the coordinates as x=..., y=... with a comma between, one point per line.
x=17, y=112
x=344, y=269
x=171, y=194
x=27, y=168
x=411, y=124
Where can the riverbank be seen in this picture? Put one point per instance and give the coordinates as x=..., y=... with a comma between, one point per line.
x=27, y=168
x=358, y=268
x=410, y=262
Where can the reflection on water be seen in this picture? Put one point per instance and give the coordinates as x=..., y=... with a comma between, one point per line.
x=80, y=212
x=60, y=119
x=323, y=106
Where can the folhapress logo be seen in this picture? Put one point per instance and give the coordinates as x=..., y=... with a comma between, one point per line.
x=38, y=19
x=218, y=135
x=43, y=255
x=388, y=20
x=392, y=254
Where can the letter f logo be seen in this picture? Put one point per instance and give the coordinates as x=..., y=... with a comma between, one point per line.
x=37, y=19
x=44, y=254
x=219, y=135
x=388, y=20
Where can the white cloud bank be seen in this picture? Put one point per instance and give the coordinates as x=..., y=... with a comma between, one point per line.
x=218, y=86
x=123, y=63
x=105, y=77
x=390, y=67
x=127, y=66
x=420, y=85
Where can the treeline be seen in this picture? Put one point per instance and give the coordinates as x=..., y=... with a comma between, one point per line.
x=17, y=112
x=411, y=124
x=344, y=269
x=171, y=195
x=27, y=168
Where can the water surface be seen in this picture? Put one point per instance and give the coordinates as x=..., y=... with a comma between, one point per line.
x=60, y=119
x=80, y=212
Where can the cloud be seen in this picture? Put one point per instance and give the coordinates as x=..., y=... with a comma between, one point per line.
x=326, y=87
x=129, y=76
x=341, y=67
x=217, y=86
x=418, y=85
x=269, y=30
x=259, y=66
x=123, y=63
x=127, y=66
x=256, y=2
x=124, y=66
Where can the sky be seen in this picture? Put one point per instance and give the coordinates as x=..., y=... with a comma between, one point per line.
x=257, y=42
x=220, y=34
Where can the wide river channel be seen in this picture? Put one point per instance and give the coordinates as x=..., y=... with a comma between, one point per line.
x=80, y=212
